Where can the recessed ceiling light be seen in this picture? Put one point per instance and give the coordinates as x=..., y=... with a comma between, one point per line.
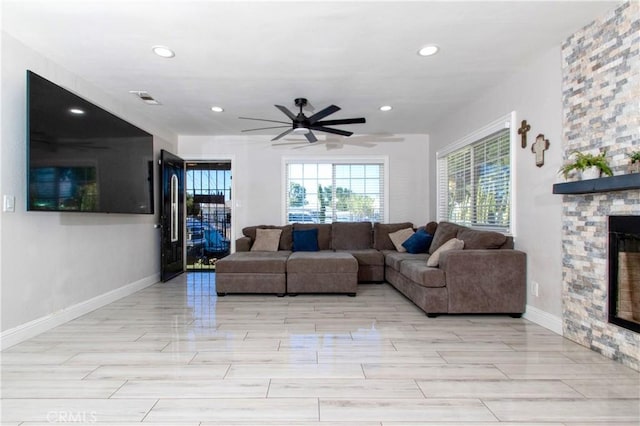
x=217, y=109
x=163, y=51
x=428, y=50
x=386, y=108
x=76, y=111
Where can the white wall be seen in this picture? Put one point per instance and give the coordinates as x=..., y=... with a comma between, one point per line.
x=258, y=168
x=51, y=261
x=535, y=94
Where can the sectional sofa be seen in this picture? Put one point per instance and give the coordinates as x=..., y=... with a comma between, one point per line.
x=463, y=270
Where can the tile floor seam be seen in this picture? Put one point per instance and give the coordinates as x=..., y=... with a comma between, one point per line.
x=150, y=410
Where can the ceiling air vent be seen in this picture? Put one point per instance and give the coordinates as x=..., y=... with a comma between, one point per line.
x=146, y=98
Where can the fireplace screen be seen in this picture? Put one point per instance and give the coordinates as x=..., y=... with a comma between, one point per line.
x=624, y=271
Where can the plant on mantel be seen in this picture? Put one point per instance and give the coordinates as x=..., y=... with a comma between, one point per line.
x=584, y=161
x=634, y=156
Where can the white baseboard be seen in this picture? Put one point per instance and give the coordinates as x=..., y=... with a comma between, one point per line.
x=18, y=334
x=544, y=319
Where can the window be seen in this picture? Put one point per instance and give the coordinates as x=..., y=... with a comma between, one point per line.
x=475, y=178
x=334, y=191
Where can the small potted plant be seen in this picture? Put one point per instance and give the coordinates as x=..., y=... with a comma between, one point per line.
x=590, y=166
x=634, y=157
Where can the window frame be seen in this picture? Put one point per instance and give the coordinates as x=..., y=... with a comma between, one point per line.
x=507, y=121
x=359, y=159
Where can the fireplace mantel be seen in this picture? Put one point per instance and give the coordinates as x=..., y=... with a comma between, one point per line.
x=605, y=184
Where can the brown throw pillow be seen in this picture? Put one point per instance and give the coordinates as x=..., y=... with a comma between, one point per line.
x=453, y=244
x=431, y=227
x=266, y=240
x=381, y=231
x=399, y=237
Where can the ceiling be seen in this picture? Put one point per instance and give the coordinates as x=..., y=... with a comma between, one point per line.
x=248, y=56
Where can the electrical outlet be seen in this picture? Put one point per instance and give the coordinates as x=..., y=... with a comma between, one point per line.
x=9, y=203
x=534, y=288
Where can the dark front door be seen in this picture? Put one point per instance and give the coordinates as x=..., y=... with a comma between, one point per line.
x=172, y=211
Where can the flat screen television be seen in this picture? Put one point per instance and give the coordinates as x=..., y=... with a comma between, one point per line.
x=82, y=158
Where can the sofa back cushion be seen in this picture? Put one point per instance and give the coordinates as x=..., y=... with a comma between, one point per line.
x=286, y=237
x=351, y=235
x=381, y=231
x=508, y=244
x=444, y=232
x=479, y=240
x=324, y=233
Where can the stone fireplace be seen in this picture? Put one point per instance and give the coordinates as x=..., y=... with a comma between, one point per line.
x=624, y=271
x=600, y=90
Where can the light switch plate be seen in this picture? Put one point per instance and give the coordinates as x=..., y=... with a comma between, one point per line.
x=9, y=203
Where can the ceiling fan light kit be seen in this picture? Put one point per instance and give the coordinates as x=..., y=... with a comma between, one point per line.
x=303, y=125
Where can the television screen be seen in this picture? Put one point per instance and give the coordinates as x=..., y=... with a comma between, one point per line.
x=82, y=158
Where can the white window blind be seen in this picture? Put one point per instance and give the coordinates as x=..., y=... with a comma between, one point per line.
x=474, y=182
x=331, y=191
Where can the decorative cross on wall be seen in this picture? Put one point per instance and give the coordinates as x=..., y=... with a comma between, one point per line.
x=539, y=147
x=524, y=128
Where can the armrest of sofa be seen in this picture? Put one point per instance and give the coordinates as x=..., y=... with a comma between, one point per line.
x=485, y=281
x=243, y=244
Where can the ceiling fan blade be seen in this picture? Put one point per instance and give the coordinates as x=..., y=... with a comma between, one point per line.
x=262, y=119
x=323, y=113
x=285, y=133
x=311, y=137
x=339, y=122
x=286, y=112
x=334, y=131
x=264, y=128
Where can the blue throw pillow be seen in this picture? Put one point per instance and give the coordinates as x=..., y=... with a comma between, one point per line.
x=419, y=242
x=305, y=240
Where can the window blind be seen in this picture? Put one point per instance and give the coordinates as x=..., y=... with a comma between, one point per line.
x=474, y=183
x=325, y=192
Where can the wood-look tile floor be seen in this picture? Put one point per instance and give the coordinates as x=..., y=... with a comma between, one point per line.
x=176, y=354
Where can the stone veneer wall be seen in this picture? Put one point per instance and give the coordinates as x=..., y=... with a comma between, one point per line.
x=601, y=110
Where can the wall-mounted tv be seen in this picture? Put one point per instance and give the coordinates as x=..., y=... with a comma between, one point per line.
x=82, y=158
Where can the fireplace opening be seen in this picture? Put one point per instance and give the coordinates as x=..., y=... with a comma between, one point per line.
x=624, y=271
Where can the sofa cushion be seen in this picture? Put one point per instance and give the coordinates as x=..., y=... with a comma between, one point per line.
x=481, y=240
x=254, y=262
x=419, y=242
x=366, y=257
x=324, y=233
x=444, y=232
x=319, y=262
x=399, y=237
x=394, y=259
x=351, y=235
x=286, y=238
x=381, y=231
x=453, y=244
x=420, y=273
x=266, y=240
x=305, y=240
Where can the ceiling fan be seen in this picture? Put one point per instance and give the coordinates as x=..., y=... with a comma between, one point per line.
x=303, y=125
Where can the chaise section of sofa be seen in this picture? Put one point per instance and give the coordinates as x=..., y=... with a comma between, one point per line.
x=252, y=272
